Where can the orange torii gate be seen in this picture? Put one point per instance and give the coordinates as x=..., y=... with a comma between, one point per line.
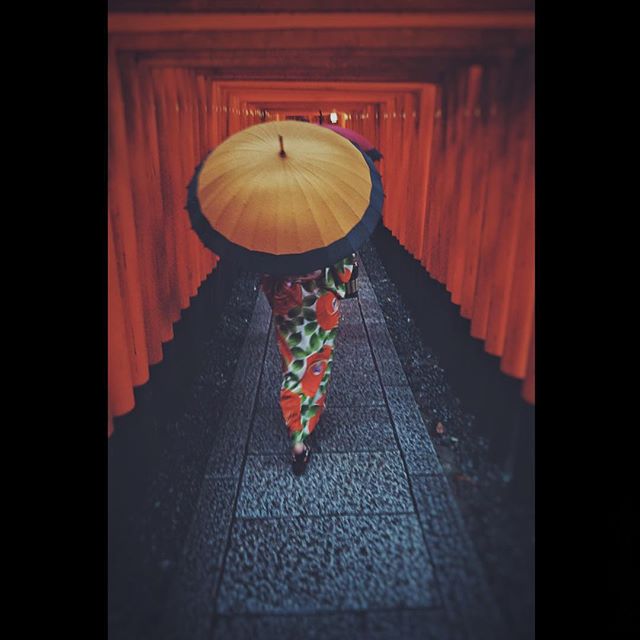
x=457, y=167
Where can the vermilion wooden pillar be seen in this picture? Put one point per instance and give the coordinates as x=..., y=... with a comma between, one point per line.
x=124, y=278
x=146, y=206
x=448, y=153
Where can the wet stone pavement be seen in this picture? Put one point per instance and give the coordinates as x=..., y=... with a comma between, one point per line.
x=369, y=543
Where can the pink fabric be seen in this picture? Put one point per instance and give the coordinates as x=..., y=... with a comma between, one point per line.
x=350, y=134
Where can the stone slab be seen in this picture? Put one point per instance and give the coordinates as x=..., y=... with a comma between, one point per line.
x=312, y=565
x=334, y=483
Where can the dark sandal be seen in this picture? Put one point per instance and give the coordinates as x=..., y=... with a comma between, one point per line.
x=299, y=460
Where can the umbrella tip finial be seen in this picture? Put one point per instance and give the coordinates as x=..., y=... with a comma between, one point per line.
x=282, y=152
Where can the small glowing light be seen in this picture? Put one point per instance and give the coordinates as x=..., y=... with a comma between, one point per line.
x=333, y=116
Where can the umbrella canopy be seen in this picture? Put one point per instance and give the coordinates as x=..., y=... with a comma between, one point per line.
x=285, y=197
x=356, y=138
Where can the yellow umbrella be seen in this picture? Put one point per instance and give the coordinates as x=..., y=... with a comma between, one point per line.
x=285, y=198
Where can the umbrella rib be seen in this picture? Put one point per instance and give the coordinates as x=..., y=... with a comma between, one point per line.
x=215, y=194
x=260, y=213
x=219, y=178
x=295, y=177
x=348, y=184
x=333, y=215
x=236, y=221
x=347, y=168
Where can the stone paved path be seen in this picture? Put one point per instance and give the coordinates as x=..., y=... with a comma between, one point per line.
x=368, y=544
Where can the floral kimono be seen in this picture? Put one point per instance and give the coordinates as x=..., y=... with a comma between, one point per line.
x=306, y=312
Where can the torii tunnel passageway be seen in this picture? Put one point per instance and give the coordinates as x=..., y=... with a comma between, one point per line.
x=415, y=516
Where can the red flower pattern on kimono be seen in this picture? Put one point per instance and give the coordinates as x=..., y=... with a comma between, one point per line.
x=290, y=404
x=327, y=311
x=344, y=276
x=285, y=352
x=282, y=295
x=316, y=366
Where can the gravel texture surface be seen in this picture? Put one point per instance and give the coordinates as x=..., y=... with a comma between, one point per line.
x=499, y=520
x=167, y=552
